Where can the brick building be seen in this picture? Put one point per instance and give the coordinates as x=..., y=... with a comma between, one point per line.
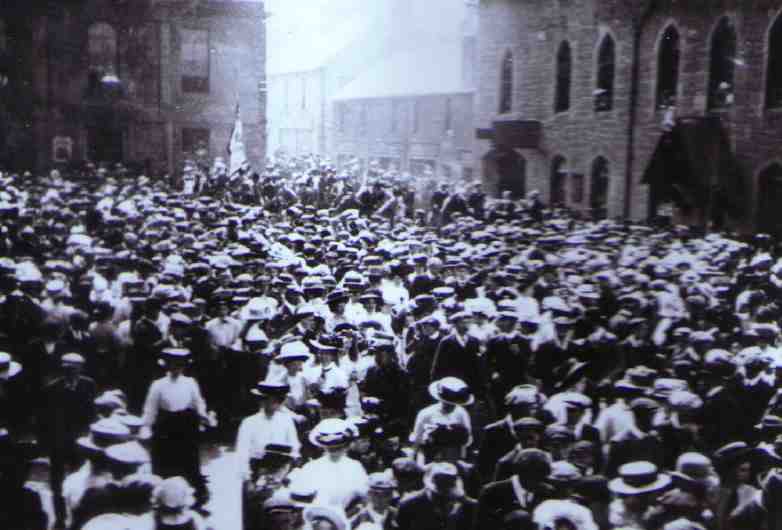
x=413, y=109
x=617, y=106
x=143, y=81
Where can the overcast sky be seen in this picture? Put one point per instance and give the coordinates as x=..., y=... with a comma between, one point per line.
x=304, y=33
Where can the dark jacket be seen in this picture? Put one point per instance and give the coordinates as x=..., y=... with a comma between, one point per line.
x=420, y=512
x=453, y=359
x=65, y=413
x=498, y=499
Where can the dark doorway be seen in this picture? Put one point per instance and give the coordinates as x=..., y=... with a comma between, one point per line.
x=598, y=194
x=557, y=183
x=105, y=144
x=769, y=199
x=511, y=173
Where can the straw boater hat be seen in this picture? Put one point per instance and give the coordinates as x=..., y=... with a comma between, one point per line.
x=169, y=355
x=293, y=351
x=636, y=478
x=175, y=494
x=334, y=515
x=451, y=390
x=332, y=432
x=8, y=367
x=103, y=434
x=271, y=388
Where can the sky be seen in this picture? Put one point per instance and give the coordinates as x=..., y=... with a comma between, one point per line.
x=302, y=34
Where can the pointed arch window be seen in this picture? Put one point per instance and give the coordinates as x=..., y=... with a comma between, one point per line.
x=506, y=84
x=722, y=65
x=668, y=56
x=598, y=192
x=606, y=68
x=564, y=66
x=774, y=66
x=557, y=183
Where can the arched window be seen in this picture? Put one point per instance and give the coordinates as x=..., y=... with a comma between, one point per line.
x=606, y=66
x=598, y=188
x=668, y=68
x=722, y=65
x=506, y=84
x=774, y=65
x=564, y=64
x=448, y=115
x=558, y=175
x=102, y=48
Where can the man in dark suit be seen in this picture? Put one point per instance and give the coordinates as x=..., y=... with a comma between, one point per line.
x=457, y=356
x=65, y=413
x=524, y=414
x=524, y=490
x=419, y=366
x=441, y=504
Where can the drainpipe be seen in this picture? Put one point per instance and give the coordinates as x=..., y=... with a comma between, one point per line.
x=634, y=88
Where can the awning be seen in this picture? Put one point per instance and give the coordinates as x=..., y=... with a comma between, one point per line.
x=693, y=162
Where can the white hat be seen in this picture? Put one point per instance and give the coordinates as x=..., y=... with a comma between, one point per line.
x=639, y=477
x=175, y=493
x=8, y=367
x=332, y=514
x=451, y=390
x=331, y=432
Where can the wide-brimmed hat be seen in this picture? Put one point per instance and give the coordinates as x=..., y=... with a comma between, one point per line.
x=331, y=432
x=636, y=478
x=8, y=367
x=332, y=514
x=293, y=351
x=694, y=472
x=169, y=355
x=733, y=453
x=175, y=493
x=104, y=433
x=451, y=390
x=271, y=388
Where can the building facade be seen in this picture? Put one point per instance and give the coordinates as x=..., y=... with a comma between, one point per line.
x=413, y=110
x=581, y=99
x=296, y=112
x=146, y=83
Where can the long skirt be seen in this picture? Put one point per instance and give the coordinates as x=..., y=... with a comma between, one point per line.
x=175, y=448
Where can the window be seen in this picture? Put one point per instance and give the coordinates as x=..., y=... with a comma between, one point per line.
x=194, y=139
x=304, y=93
x=668, y=68
x=448, y=115
x=195, y=60
x=722, y=65
x=416, y=117
x=577, y=188
x=774, y=65
x=562, y=94
x=558, y=174
x=598, y=193
x=606, y=65
x=506, y=84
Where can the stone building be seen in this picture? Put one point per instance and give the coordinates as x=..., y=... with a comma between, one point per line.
x=413, y=110
x=626, y=108
x=142, y=82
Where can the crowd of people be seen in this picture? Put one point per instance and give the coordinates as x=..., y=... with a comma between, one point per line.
x=375, y=363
